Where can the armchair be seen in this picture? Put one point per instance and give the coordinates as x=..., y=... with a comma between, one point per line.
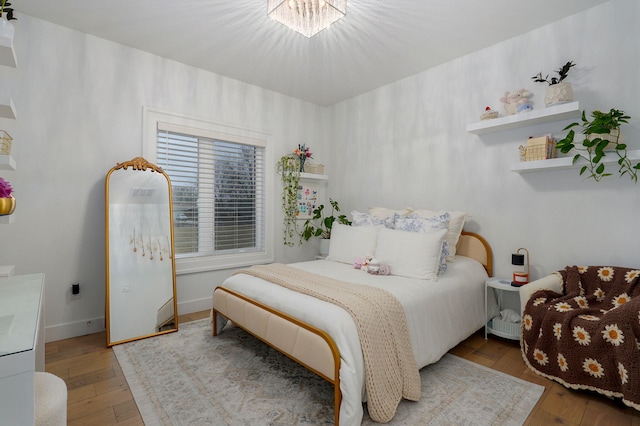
x=581, y=328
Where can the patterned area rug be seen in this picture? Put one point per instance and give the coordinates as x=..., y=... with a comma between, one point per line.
x=192, y=378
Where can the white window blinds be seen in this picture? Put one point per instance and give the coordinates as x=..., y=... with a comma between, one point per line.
x=218, y=184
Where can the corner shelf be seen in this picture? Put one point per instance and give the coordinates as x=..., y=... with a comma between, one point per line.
x=564, y=163
x=7, y=162
x=530, y=118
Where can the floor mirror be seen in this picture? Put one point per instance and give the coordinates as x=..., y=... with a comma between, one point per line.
x=140, y=265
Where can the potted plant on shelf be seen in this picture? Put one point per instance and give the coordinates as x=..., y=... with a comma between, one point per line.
x=320, y=225
x=601, y=135
x=289, y=169
x=558, y=91
x=7, y=202
x=6, y=15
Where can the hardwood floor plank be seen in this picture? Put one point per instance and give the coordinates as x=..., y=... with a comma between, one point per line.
x=98, y=403
x=102, y=417
x=126, y=410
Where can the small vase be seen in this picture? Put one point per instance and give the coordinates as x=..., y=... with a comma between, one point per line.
x=324, y=246
x=302, y=160
x=614, y=138
x=6, y=28
x=7, y=206
x=558, y=94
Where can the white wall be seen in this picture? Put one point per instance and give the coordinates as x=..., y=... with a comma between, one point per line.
x=413, y=150
x=79, y=101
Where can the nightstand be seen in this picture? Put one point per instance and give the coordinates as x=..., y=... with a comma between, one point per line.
x=496, y=325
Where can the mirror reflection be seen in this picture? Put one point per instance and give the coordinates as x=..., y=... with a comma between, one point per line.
x=140, y=288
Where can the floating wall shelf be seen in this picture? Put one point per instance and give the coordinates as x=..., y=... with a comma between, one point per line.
x=7, y=109
x=7, y=54
x=313, y=176
x=530, y=118
x=7, y=162
x=6, y=219
x=566, y=163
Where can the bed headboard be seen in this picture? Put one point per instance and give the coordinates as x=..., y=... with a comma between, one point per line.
x=476, y=247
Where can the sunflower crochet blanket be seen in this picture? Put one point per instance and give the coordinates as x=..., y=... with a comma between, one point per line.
x=588, y=338
x=390, y=368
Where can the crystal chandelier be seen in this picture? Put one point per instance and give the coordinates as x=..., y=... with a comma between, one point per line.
x=308, y=17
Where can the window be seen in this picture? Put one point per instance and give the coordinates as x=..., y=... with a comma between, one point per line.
x=219, y=186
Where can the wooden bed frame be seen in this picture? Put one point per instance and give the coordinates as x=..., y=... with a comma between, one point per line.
x=308, y=345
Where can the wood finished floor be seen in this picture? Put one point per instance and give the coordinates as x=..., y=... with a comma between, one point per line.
x=99, y=395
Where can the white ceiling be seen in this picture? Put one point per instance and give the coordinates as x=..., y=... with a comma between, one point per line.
x=377, y=43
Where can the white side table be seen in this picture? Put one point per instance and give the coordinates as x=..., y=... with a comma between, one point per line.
x=496, y=325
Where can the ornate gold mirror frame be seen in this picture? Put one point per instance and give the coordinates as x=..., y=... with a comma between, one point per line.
x=140, y=265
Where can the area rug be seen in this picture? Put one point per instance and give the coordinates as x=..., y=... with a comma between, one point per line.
x=192, y=378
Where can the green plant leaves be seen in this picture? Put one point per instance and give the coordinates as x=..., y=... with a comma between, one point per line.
x=592, y=150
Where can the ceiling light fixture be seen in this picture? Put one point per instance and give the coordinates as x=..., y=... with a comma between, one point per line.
x=308, y=17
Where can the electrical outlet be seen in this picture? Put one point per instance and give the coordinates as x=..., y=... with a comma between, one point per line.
x=74, y=291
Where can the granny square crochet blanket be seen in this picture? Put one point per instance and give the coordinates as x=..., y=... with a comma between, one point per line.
x=589, y=337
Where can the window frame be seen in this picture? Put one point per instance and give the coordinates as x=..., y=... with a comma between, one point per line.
x=237, y=134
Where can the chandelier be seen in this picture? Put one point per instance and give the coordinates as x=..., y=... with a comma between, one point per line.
x=308, y=17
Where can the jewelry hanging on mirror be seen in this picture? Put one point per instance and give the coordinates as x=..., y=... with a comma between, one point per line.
x=169, y=247
x=133, y=241
x=160, y=250
x=150, y=249
x=142, y=245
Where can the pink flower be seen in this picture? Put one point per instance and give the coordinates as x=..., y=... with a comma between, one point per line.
x=302, y=152
x=5, y=189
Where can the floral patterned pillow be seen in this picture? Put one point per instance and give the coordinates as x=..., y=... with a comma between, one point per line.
x=364, y=219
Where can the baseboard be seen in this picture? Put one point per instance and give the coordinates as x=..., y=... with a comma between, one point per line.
x=73, y=329
x=196, y=305
x=96, y=325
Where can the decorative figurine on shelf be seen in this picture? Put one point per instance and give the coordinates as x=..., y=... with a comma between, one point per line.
x=489, y=114
x=527, y=106
x=512, y=101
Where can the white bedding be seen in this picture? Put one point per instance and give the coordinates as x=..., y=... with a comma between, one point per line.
x=440, y=314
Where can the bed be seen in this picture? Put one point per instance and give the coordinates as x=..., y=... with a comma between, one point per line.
x=323, y=338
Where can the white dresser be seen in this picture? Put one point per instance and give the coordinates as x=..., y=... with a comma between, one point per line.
x=21, y=345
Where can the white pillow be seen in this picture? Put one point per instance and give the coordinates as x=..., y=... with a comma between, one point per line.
x=417, y=223
x=351, y=242
x=411, y=254
x=456, y=223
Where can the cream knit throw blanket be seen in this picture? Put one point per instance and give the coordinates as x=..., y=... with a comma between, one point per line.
x=390, y=368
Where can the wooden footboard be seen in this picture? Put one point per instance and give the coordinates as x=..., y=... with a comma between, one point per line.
x=309, y=346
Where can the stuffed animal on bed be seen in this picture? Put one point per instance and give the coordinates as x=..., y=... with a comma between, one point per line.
x=371, y=265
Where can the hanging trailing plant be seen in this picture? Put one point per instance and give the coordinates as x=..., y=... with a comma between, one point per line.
x=601, y=134
x=289, y=169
